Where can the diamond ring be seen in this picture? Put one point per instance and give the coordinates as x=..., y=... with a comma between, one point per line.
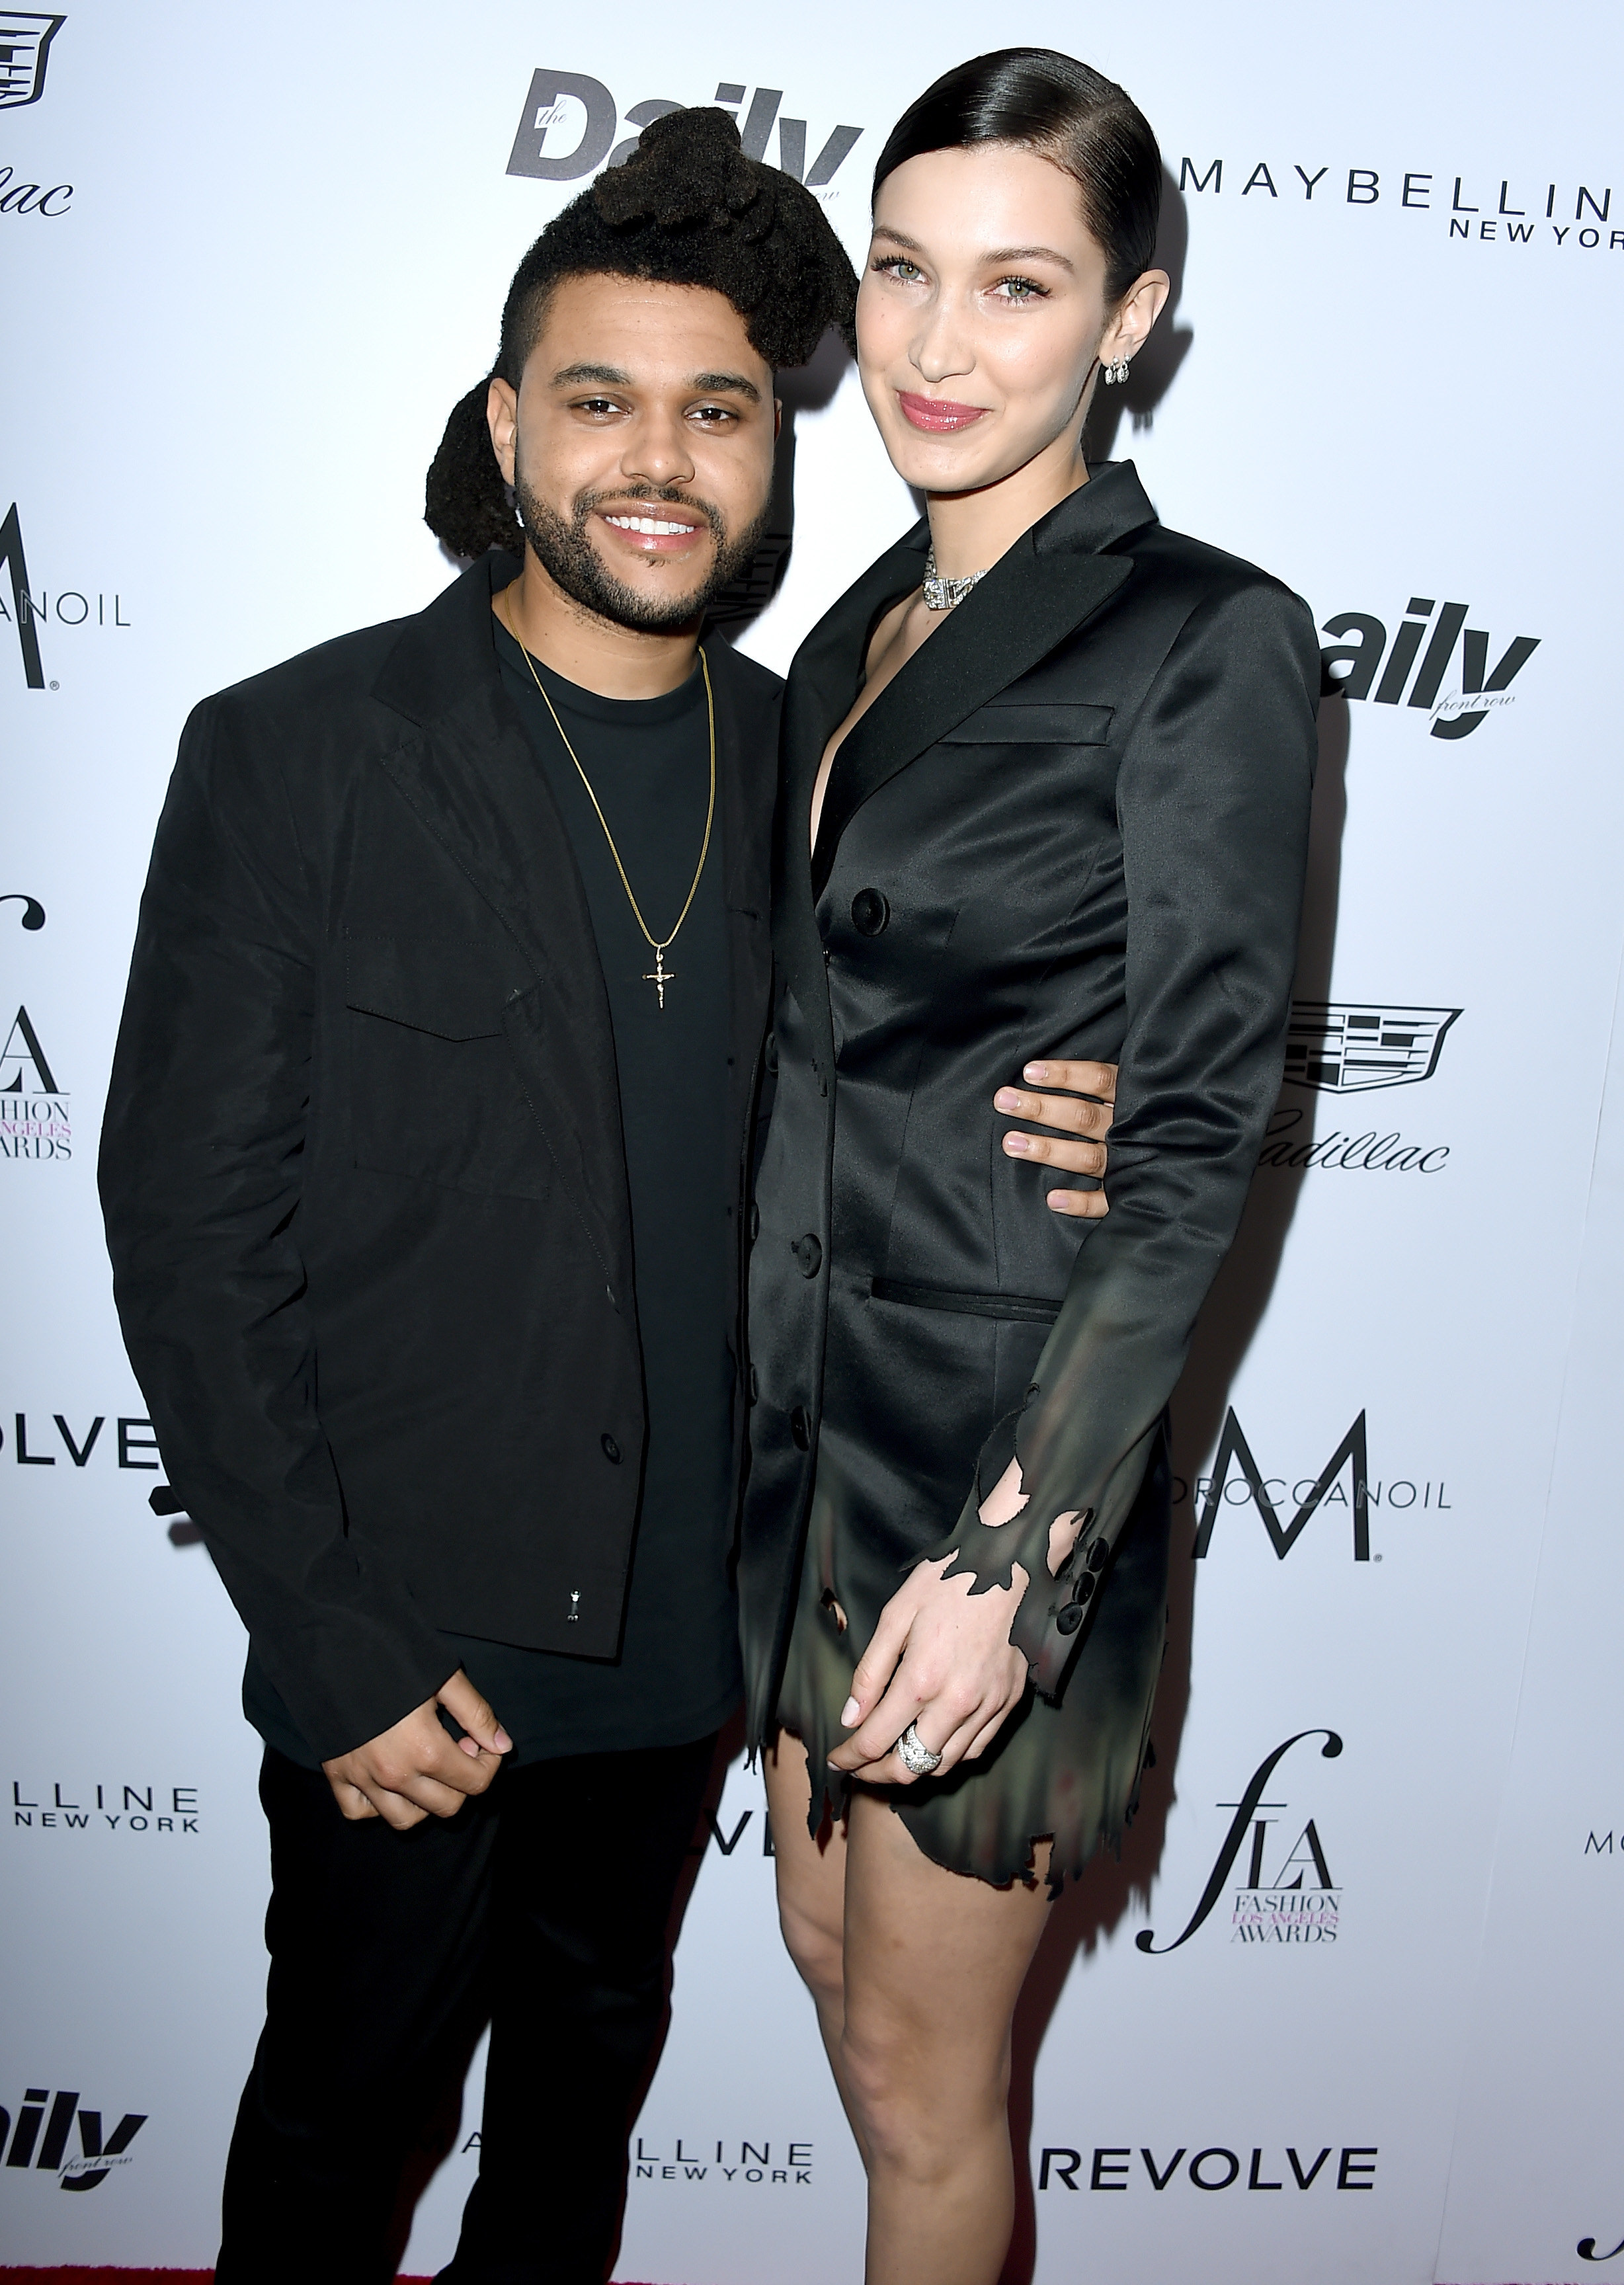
x=915, y=1755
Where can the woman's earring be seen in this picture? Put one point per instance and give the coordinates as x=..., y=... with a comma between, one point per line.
x=1117, y=371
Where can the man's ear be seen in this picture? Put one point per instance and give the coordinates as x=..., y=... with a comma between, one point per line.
x=778, y=419
x=502, y=418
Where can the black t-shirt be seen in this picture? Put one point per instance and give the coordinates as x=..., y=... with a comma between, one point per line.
x=678, y=1675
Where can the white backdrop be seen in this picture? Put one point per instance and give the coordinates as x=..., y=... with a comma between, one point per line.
x=247, y=273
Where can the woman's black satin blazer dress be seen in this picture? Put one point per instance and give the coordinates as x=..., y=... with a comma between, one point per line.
x=1074, y=824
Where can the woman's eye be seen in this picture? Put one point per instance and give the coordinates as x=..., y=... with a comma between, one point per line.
x=1019, y=289
x=898, y=266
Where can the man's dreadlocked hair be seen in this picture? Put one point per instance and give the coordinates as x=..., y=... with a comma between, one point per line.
x=688, y=208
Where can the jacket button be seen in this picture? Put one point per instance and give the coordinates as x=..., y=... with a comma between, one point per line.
x=611, y=1449
x=809, y=1253
x=800, y=1428
x=1085, y=1587
x=1099, y=1556
x=869, y=911
x=754, y=1385
x=755, y=1222
x=1069, y=1620
x=770, y=1053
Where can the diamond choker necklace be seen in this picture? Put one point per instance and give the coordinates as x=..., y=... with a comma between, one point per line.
x=941, y=594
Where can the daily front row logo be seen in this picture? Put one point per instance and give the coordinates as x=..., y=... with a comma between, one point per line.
x=568, y=125
x=1349, y=666
x=96, y=2154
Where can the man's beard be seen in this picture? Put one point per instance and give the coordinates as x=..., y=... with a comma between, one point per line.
x=569, y=558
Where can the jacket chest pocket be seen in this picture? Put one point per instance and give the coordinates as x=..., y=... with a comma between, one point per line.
x=434, y=1090
x=1032, y=722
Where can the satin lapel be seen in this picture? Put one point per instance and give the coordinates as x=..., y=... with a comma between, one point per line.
x=1027, y=605
x=471, y=778
x=823, y=682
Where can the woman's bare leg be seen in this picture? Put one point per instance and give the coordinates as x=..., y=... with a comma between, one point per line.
x=812, y=1901
x=915, y=1973
x=934, y=1962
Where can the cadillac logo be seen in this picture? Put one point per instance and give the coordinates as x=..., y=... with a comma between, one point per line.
x=1346, y=1048
x=25, y=43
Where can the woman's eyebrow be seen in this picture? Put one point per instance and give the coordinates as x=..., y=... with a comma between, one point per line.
x=1030, y=253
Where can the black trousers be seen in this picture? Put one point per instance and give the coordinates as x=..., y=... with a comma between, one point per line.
x=542, y=1906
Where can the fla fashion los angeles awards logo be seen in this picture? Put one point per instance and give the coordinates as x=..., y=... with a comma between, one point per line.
x=25, y=53
x=1301, y=1903
x=34, y=1118
x=1453, y=707
x=39, y=2142
x=569, y=125
x=1355, y=1047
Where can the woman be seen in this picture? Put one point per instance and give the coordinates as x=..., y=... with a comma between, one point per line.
x=1048, y=771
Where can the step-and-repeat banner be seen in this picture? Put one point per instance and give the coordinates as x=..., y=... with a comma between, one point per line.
x=1348, y=2006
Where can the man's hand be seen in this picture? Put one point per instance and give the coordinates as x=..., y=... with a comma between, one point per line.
x=1070, y=1117
x=417, y=1769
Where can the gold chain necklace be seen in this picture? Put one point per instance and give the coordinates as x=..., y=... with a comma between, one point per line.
x=659, y=976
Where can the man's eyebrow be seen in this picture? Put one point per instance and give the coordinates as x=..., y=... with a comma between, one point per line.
x=609, y=375
x=735, y=381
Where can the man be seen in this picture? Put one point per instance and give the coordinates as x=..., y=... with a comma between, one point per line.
x=455, y=949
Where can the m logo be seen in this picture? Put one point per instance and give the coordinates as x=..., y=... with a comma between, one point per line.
x=567, y=126
x=12, y=557
x=1350, y=1453
x=1347, y=1047
x=24, y=44
x=1350, y=667
x=21, y=1055
x=94, y=2159
x=1307, y=1855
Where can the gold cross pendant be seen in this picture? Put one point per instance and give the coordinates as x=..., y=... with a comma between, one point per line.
x=659, y=975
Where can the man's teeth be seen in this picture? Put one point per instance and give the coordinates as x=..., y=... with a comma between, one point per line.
x=651, y=525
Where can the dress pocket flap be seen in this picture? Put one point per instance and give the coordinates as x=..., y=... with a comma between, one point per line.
x=451, y=988
x=1014, y=723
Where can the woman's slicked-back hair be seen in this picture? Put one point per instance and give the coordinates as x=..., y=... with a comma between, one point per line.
x=688, y=208
x=1052, y=105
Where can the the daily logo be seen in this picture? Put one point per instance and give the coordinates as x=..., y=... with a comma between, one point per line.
x=1302, y=1904
x=569, y=123
x=1350, y=665
x=25, y=49
x=1347, y=1047
x=40, y=2141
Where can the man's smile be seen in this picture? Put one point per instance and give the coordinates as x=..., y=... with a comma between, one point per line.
x=654, y=530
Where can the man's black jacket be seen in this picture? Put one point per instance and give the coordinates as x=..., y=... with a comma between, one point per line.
x=362, y=1167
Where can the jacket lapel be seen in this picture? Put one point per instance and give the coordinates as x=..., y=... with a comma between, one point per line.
x=823, y=682
x=1029, y=602
x=467, y=772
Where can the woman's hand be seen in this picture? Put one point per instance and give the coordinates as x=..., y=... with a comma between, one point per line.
x=1069, y=1117
x=940, y=1657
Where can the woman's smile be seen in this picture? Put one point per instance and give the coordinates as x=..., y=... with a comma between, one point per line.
x=939, y=414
